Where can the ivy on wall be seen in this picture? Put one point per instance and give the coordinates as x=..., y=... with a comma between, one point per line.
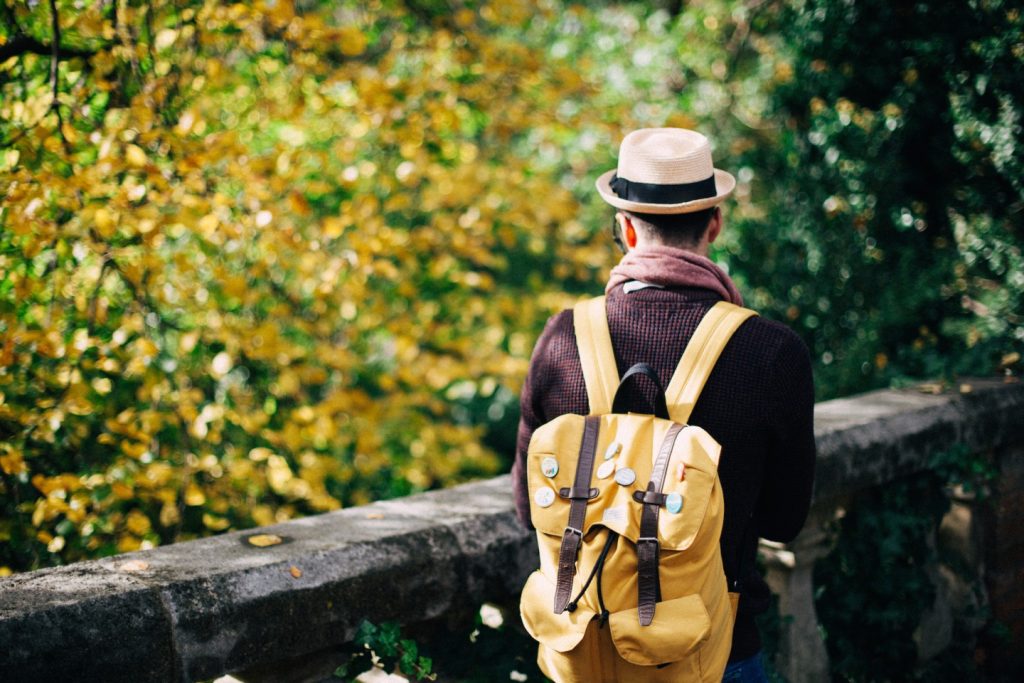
x=874, y=587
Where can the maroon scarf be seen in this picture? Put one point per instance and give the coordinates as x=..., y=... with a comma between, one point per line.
x=672, y=267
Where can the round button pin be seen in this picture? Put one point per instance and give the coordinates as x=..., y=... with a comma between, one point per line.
x=549, y=466
x=613, y=449
x=673, y=503
x=625, y=476
x=606, y=469
x=544, y=497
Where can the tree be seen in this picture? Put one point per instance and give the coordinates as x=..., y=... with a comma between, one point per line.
x=260, y=262
x=896, y=183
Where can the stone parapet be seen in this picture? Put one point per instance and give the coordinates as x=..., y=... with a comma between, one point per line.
x=198, y=609
x=202, y=608
x=872, y=438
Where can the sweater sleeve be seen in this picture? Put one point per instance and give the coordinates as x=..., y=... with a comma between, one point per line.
x=789, y=469
x=531, y=416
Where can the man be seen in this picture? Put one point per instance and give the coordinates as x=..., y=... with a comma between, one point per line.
x=758, y=401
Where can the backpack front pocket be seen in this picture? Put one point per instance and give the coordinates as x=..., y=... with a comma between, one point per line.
x=560, y=632
x=678, y=629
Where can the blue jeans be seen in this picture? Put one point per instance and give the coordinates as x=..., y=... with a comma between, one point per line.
x=746, y=671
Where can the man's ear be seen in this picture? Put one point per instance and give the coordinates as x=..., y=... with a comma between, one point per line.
x=626, y=229
x=715, y=225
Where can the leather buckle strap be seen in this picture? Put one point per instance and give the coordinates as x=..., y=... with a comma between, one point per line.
x=573, y=535
x=578, y=494
x=650, y=497
x=648, y=583
x=571, y=539
x=660, y=468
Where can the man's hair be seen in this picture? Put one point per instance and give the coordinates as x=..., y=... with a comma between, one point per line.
x=674, y=230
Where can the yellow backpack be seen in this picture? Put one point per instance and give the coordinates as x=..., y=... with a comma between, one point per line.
x=628, y=509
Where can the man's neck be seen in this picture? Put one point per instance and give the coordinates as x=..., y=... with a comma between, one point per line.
x=700, y=249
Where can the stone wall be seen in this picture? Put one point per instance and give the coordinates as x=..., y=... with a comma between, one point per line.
x=198, y=609
x=1002, y=555
x=201, y=608
x=868, y=440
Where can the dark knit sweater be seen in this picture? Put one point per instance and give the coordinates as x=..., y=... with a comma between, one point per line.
x=758, y=404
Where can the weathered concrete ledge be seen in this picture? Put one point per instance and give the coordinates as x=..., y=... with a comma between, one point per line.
x=867, y=440
x=202, y=608
x=206, y=607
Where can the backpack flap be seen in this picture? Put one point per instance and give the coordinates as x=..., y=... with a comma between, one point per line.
x=679, y=628
x=630, y=443
x=693, y=476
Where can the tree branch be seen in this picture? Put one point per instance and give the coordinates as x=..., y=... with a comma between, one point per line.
x=55, y=75
x=55, y=54
x=139, y=295
x=21, y=45
x=94, y=299
x=124, y=33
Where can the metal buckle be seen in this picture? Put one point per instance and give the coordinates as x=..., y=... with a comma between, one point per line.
x=578, y=532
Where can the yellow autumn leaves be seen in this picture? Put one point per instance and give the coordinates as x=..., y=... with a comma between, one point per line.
x=245, y=291
x=287, y=261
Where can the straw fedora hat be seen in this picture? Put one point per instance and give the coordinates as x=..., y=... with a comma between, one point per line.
x=663, y=171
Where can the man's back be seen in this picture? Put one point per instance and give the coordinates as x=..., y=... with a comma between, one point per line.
x=757, y=404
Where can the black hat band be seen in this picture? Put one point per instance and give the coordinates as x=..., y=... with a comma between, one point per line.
x=651, y=193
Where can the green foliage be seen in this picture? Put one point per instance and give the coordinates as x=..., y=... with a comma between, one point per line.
x=958, y=467
x=489, y=652
x=893, y=238
x=769, y=625
x=873, y=587
x=483, y=651
x=382, y=646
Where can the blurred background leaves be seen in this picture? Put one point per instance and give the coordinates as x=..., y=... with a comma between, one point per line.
x=264, y=260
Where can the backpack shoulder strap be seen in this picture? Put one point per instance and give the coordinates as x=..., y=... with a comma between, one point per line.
x=700, y=356
x=594, y=341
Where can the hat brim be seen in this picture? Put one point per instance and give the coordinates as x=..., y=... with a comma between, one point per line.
x=725, y=183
